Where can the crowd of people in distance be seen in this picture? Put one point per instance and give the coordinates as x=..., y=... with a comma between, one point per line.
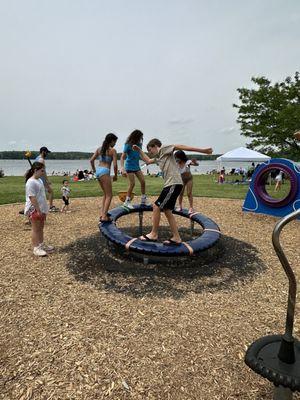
x=84, y=175
x=237, y=175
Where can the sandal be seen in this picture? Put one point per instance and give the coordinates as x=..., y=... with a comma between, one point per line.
x=171, y=242
x=145, y=238
x=109, y=219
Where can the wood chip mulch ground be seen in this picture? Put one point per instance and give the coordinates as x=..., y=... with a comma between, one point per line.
x=73, y=326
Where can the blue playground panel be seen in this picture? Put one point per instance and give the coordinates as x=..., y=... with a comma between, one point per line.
x=259, y=201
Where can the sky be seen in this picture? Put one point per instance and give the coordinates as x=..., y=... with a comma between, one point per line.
x=72, y=71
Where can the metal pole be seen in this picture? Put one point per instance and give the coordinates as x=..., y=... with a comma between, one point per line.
x=288, y=271
x=141, y=222
x=192, y=227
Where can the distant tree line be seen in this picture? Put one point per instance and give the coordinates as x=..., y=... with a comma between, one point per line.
x=62, y=155
x=75, y=155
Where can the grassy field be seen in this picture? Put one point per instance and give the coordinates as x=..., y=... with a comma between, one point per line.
x=12, y=188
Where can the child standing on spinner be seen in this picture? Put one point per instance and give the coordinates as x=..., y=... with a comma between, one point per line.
x=184, y=165
x=106, y=155
x=36, y=208
x=65, y=191
x=166, y=201
x=132, y=167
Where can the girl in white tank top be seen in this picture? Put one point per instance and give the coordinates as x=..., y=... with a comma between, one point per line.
x=184, y=165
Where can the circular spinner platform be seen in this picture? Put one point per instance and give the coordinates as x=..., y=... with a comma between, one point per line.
x=200, y=249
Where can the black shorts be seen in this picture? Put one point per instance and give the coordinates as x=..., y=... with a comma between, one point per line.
x=66, y=200
x=167, y=198
x=131, y=171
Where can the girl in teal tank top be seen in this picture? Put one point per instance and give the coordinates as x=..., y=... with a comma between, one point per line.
x=132, y=167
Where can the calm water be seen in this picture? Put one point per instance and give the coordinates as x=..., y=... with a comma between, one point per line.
x=19, y=167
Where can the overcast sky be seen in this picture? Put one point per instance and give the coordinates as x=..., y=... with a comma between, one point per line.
x=72, y=71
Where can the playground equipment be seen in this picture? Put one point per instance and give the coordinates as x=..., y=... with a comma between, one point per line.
x=155, y=251
x=122, y=196
x=277, y=357
x=28, y=154
x=259, y=200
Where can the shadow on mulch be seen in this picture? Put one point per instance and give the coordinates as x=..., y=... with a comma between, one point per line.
x=91, y=261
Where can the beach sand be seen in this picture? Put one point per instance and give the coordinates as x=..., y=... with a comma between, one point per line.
x=70, y=329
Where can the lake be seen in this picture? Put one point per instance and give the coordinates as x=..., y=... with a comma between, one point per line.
x=59, y=167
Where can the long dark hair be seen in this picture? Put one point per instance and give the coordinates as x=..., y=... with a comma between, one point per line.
x=136, y=137
x=35, y=167
x=180, y=155
x=109, y=138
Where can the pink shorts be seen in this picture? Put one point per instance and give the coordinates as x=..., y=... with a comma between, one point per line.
x=35, y=216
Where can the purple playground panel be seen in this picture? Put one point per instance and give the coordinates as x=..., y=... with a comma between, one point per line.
x=258, y=200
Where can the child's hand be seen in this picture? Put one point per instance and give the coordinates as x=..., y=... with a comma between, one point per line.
x=123, y=172
x=209, y=150
x=39, y=213
x=135, y=147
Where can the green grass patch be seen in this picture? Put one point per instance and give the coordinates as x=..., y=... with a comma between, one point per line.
x=12, y=188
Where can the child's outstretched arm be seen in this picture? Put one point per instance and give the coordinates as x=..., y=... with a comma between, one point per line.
x=194, y=162
x=144, y=156
x=207, y=150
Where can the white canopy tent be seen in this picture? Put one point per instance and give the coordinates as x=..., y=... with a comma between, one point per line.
x=242, y=154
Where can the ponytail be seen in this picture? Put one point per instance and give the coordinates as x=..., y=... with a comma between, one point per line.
x=109, y=139
x=136, y=137
x=35, y=167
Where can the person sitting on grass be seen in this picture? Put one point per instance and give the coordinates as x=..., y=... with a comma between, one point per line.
x=106, y=155
x=184, y=165
x=172, y=188
x=132, y=167
x=36, y=208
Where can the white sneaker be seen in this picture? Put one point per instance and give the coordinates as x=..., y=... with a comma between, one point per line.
x=38, y=251
x=47, y=248
x=145, y=201
x=128, y=204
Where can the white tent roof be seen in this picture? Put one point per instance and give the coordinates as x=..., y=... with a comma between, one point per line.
x=242, y=154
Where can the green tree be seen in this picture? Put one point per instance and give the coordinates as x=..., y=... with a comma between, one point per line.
x=270, y=114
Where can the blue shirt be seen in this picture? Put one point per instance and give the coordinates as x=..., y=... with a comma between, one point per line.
x=132, y=162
